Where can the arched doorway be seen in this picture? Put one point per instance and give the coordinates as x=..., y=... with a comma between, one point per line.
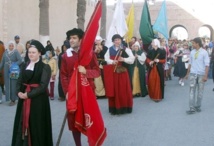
x=206, y=31
x=179, y=31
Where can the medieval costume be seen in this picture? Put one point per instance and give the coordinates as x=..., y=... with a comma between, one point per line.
x=79, y=67
x=138, y=72
x=156, y=60
x=67, y=67
x=116, y=78
x=100, y=51
x=9, y=57
x=32, y=124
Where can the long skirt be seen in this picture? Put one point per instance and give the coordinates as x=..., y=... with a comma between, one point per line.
x=118, y=91
x=154, y=85
x=180, y=69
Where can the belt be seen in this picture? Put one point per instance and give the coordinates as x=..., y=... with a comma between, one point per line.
x=195, y=74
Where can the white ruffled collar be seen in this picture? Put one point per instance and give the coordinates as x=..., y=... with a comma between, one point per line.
x=31, y=65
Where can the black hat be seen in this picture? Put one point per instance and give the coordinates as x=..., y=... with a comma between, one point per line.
x=116, y=36
x=67, y=44
x=16, y=37
x=38, y=46
x=75, y=31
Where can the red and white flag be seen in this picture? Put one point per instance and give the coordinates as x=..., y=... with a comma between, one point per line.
x=81, y=97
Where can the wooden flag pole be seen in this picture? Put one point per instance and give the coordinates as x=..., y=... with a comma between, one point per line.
x=61, y=130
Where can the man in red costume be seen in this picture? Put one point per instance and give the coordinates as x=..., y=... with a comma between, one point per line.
x=69, y=60
x=116, y=77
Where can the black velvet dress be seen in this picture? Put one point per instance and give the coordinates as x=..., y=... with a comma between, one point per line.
x=40, y=116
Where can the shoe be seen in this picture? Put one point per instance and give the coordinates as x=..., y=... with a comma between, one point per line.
x=137, y=95
x=61, y=99
x=52, y=98
x=12, y=103
x=0, y=101
x=170, y=78
x=198, y=109
x=182, y=83
x=213, y=89
x=191, y=111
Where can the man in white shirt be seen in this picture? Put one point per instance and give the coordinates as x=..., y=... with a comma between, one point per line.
x=198, y=70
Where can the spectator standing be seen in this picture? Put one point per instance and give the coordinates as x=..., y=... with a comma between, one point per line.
x=198, y=70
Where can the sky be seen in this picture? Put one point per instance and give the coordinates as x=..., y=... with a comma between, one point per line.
x=199, y=9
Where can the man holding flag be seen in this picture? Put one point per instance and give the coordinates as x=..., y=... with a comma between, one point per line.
x=78, y=68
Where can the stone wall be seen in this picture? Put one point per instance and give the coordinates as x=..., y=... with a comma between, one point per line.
x=177, y=15
x=23, y=19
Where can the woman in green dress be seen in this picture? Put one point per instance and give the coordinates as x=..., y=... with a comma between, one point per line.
x=138, y=72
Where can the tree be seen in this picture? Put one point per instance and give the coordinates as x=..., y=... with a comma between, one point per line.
x=81, y=9
x=103, y=20
x=44, y=21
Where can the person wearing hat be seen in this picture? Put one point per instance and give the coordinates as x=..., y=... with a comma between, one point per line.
x=32, y=124
x=155, y=61
x=10, y=56
x=100, y=51
x=91, y=71
x=20, y=47
x=138, y=72
x=116, y=77
x=198, y=70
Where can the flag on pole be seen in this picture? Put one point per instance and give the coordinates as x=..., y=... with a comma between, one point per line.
x=146, y=31
x=118, y=24
x=161, y=24
x=130, y=24
x=81, y=97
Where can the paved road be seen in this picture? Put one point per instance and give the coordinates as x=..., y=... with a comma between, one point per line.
x=151, y=124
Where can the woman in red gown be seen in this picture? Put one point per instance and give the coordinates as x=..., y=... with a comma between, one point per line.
x=155, y=61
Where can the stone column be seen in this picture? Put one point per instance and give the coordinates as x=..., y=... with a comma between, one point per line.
x=44, y=33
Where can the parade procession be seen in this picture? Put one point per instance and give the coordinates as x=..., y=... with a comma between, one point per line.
x=106, y=73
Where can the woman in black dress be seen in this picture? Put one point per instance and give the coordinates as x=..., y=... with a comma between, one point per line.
x=32, y=124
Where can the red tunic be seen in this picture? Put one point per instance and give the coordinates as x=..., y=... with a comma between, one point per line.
x=118, y=90
x=66, y=71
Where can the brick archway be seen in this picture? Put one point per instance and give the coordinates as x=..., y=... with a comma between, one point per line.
x=211, y=30
x=175, y=26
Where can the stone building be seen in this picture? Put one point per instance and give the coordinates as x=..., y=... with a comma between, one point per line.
x=191, y=15
x=21, y=17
